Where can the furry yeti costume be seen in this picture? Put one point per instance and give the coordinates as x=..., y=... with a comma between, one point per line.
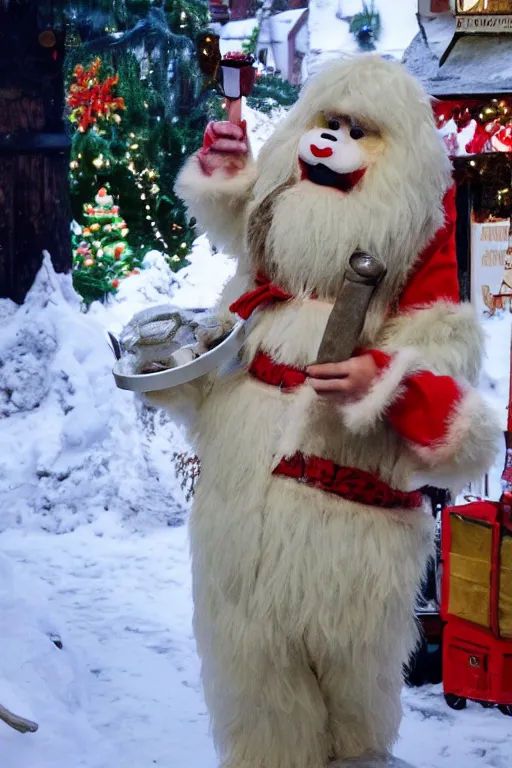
x=304, y=586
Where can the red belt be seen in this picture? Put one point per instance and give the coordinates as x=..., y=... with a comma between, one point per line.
x=347, y=482
x=279, y=375
x=352, y=484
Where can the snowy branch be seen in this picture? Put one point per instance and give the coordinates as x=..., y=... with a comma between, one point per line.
x=18, y=723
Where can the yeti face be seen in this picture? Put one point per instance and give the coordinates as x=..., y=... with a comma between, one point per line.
x=338, y=153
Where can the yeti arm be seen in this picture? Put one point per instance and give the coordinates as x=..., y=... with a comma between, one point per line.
x=218, y=202
x=183, y=402
x=427, y=365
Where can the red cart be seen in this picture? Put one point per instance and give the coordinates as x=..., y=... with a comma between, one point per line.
x=476, y=598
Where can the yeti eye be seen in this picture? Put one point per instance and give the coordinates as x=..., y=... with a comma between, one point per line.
x=357, y=133
x=334, y=124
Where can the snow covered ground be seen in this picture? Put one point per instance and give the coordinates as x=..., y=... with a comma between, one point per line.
x=93, y=548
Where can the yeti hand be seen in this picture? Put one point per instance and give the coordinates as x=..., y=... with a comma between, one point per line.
x=343, y=382
x=225, y=147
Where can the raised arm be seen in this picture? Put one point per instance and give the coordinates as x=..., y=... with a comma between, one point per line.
x=216, y=184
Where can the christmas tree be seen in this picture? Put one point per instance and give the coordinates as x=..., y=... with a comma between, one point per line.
x=101, y=254
x=137, y=108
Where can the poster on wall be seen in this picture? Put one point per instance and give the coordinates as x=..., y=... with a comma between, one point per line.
x=473, y=127
x=484, y=6
x=491, y=266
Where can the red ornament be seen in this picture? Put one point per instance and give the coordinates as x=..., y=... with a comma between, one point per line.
x=118, y=250
x=115, y=283
x=90, y=99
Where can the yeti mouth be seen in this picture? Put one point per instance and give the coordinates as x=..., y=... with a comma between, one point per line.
x=325, y=177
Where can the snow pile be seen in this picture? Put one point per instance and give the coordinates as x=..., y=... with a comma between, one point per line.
x=125, y=684
x=77, y=447
x=38, y=680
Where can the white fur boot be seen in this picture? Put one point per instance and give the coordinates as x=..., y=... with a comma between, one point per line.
x=371, y=761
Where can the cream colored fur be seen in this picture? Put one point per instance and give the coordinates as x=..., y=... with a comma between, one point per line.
x=217, y=202
x=304, y=601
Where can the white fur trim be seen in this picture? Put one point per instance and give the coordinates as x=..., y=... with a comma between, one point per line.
x=362, y=415
x=470, y=445
x=449, y=336
x=217, y=202
x=294, y=423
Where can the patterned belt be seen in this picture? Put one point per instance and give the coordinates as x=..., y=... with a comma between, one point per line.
x=351, y=484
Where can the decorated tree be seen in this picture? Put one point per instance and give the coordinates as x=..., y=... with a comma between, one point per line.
x=101, y=254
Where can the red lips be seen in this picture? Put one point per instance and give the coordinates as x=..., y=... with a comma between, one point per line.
x=317, y=152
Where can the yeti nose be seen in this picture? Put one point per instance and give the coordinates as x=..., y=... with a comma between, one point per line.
x=328, y=136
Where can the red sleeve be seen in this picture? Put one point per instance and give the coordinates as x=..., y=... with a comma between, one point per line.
x=424, y=409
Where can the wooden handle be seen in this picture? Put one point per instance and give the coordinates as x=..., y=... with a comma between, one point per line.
x=346, y=320
x=234, y=107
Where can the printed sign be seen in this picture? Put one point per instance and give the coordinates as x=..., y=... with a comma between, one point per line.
x=491, y=266
x=487, y=24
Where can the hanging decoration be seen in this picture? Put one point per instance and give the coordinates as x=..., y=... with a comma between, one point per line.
x=366, y=27
x=473, y=127
x=92, y=99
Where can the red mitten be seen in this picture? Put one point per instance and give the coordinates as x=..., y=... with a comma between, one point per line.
x=211, y=136
x=224, y=146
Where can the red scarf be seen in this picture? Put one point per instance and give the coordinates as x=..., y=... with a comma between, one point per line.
x=265, y=293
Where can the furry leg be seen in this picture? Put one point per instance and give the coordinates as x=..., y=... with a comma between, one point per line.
x=264, y=701
x=371, y=761
x=362, y=696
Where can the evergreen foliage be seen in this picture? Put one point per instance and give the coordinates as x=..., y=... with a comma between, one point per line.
x=366, y=26
x=271, y=92
x=249, y=45
x=146, y=53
